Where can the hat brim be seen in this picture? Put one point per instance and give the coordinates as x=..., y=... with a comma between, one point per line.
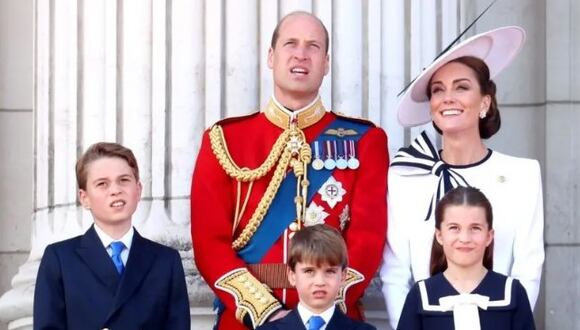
x=497, y=48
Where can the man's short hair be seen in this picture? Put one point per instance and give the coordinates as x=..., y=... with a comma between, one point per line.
x=276, y=32
x=104, y=150
x=318, y=245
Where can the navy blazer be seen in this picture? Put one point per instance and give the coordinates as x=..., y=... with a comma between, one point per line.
x=338, y=321
x=78, y=287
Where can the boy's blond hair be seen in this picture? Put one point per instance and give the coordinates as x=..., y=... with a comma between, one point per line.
x=318, y=245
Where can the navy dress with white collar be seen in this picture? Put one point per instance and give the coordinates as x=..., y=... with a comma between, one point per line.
x=505, y=306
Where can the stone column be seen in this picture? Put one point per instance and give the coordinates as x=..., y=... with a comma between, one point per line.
x=103, y=72
x=562, y=171
x=153, y=74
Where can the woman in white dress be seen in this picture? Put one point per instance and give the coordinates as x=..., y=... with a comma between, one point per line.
x=457, y=94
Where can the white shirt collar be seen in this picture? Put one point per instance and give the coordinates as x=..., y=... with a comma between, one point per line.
x=127, y=239
x=306, y=314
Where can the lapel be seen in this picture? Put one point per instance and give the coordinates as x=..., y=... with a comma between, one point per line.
x=141, y=257
x=95, y=256
x=338, y=320
x=292, y=321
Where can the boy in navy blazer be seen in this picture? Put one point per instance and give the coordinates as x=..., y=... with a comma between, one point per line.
x=317, y=264
x=110, y=277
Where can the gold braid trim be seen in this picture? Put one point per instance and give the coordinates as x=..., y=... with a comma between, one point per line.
x=352, y=277
x=264, y=204
x=290, y=148
x=252, y=297
x=240, y=212
x=220, y=150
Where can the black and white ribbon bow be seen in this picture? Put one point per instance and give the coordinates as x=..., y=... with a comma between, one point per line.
x=465, y=309
x=422, y=155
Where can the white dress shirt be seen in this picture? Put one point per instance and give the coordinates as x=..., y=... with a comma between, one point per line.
x=127, y=239
x=306, y=314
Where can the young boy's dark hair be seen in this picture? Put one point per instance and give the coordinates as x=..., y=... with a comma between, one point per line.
x=104, y=150
x=318, y=245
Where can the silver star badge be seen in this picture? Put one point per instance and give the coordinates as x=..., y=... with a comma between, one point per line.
x=315, y=215
x=332, y=192
x=294, y=145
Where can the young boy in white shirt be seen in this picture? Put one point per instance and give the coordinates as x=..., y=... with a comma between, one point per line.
x=317, y=262
x=110, y=277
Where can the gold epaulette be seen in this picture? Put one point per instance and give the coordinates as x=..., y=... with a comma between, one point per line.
x=228, y=120
x=252, y=297
x=352, y=277
x=220, y=150
x=355, y=119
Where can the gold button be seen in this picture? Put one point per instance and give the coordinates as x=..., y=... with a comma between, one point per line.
x=293, y=226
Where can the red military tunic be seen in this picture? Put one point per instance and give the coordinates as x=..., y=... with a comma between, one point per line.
x=360, y=213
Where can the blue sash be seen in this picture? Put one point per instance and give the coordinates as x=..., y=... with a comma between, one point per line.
x=282, y=211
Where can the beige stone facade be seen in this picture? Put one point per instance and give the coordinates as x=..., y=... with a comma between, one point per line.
x=153, y=74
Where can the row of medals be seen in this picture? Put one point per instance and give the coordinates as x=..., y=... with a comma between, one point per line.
x=331, y=154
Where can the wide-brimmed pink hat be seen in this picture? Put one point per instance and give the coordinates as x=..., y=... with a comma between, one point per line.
x=497, y=48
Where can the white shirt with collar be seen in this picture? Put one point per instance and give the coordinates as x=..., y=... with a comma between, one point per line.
x=127, y=239
x=306, y=314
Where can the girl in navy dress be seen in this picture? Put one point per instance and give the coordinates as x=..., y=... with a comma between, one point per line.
x=463, y=293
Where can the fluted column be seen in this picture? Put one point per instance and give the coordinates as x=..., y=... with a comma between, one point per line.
x=394, y=66
x=153, y=74
x=102, y=73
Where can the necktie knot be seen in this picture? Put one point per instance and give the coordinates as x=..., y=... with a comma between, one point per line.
x=422, y=158
x=438, y=167
x=315, y=322
x=117, y=247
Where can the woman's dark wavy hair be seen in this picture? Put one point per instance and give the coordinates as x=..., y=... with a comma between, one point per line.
x=489, y=125
x=468, y=196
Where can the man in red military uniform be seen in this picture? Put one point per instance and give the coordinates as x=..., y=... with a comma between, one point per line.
x=261, y=177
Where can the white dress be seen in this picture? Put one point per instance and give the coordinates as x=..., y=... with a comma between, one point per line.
x=513, y=186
